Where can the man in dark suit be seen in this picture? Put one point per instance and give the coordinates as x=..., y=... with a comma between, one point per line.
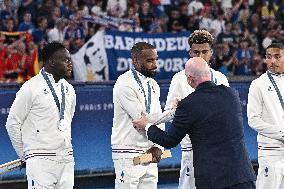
x=212, y=116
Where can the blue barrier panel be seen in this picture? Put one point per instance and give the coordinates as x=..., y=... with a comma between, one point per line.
x=91, y=128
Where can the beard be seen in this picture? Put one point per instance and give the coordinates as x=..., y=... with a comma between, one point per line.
x=148, y=73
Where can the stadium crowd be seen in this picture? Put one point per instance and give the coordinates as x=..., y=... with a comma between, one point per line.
x=242, y=28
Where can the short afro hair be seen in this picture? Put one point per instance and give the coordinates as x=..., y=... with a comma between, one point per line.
x=200, y=37
x=276, y=45
x=138, y=47
x=50, y=49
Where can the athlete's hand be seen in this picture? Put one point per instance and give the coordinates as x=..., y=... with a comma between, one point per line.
x=140, y=123
x=175, y=102
x=156, y=154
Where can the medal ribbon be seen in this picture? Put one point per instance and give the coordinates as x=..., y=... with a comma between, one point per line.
x=147, y=102
x=276, y=88
x=61, y=107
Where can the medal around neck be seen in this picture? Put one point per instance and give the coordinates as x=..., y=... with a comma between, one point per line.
x=62, y=125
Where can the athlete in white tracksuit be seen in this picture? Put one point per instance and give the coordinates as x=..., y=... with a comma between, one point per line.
x=265, y=111
x=200, y=43
x=135, y=92
x=33, y=123
x=179, y=89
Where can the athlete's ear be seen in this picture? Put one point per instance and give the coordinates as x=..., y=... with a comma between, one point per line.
x=189, y=53
x=135, y=63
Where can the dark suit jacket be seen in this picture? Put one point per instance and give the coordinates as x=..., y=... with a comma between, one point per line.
x=212, y=116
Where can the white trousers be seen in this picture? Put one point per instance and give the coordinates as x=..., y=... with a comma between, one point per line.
x=50, y=173
x=129, y=176
x=270, y=173
x=186, y=179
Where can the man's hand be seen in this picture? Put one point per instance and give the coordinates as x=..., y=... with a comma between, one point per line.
x=141, y=123
x=156, y=153
x=174, y=104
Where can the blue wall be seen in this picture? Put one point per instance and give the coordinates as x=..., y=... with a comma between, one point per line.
x=91, y=128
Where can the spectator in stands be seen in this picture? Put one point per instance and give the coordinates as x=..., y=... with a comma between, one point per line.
x=244, y=19
x=91, y=32
x=269, y=9
x=128, y=142
x=46, y=9
x=57, y=33
x=244, y=59
x=224, y=59
x=218, y=24
x=31, y=65
x=14, y=63
x=97, y=10
x=74, y=34
x=159, y=25
x=55, y=15
x=131, y=15
x=9, y=25
x=194, y=6
x=116, y=8
x=9, y=11
x=174, y=23
x=27, y=24
x=39, y=122
x=226, y=5
x=146, y=16
x=235, y=11
x=268, y=39
x=3, y=52
x=212, y=117
x=183, y=15
x=65, y=8
x=258, y=66
x=227, y=36
x=205, y=21
x=158, y=8
x=39, y=33
x=255, y=27
x=200, y=42
x=27, y=6
x=265, y=111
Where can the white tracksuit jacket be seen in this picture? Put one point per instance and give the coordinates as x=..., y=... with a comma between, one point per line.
x=179, y=88
x=32, y=123
x=129, y=102
x=266, y=116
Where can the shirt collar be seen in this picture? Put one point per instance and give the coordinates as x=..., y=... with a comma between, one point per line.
x=141, y=76
x=49, y=75
x=205, y=84
x=276, y=74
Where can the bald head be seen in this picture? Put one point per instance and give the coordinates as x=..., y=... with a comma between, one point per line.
x=198, y=69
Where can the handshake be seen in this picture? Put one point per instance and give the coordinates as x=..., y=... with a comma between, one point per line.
x=157, y=118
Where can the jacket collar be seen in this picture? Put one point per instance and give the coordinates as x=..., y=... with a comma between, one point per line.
x=206, y=84
x=141, y=76
x=276, y=74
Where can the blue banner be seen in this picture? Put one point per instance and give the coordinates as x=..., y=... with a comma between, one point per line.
x=172, y=51
x=91, y=128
